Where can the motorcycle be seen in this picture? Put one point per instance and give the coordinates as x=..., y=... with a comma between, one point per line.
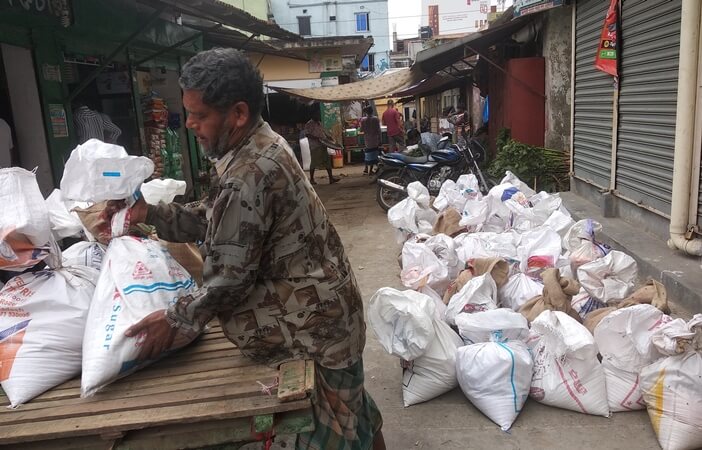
x=432, y=169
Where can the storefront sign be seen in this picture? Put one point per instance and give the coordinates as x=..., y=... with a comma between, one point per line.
x=606, y=58
x=524, y=7
x=60, y=9
x=330, y=81
x=325, y=63
x=59, y=125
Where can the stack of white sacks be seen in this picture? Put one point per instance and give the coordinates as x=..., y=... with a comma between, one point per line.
x=69, y=318
x=522, y=301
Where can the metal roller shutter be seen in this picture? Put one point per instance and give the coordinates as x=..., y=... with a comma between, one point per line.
x=647, y=100
x=593, y=102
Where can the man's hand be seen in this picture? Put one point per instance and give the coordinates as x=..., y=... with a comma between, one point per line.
x=155, y=335
x=137, y=212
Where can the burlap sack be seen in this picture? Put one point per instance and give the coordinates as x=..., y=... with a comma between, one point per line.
x=652, y=293
x=188, y=255
x=498, y=268
x=447, y=223
x=557, y=295
x=457, y=284
x=94, y=221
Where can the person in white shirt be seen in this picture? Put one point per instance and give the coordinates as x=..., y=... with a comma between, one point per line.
x=6, y=144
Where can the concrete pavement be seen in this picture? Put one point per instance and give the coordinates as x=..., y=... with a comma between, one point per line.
x=450, y=421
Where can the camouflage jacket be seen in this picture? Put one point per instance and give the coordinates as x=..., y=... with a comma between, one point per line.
x=275, y=272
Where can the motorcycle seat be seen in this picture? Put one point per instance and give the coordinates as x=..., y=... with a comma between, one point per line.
x=407, y=159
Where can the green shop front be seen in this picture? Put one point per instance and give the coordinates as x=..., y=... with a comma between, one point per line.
x=121, y=60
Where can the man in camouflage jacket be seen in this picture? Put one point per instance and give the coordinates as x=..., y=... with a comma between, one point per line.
x=276, y=273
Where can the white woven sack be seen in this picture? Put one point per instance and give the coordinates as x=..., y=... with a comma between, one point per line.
x=434, y=372
x=567, y=373
x=42, y=321
x=496, y=378
x=22, y=207
x=138, y=277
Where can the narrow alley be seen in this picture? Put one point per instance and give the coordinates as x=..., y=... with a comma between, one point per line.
x=450, y=421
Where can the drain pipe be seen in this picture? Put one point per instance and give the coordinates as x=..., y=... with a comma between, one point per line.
x=680, y=236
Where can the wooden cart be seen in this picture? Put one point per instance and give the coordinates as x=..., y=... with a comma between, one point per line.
x=205, y=395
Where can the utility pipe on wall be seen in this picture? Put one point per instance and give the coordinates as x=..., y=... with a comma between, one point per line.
x=685, y=130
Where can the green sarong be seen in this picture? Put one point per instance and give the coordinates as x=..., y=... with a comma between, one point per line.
x=346, y=417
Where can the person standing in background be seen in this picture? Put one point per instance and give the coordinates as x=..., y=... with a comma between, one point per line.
x=392, y=119
x=6, y=144
x=427, y=137
x=370, y=126
x=319, y=141
x=91, y=124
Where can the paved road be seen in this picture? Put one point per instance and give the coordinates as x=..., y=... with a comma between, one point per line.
x=450, y=421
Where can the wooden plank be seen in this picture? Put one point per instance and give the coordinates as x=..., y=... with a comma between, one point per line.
x=212, y=433
x=178, y=359
x=249, y=378
x=310, y=376
x=163, y=373
x=207, y=382
x=72, y=388
x=292, y=381
x=154, y=401
x=262, y=424
x=135, y=419
x=169, y=437
x=127, y=384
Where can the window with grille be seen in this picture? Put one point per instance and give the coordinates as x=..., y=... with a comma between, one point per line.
x=305, y=27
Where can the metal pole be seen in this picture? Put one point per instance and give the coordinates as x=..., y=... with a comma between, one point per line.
x=247, y=41
x=83, y=84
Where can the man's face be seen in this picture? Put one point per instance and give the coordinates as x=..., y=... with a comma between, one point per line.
x=211, y=126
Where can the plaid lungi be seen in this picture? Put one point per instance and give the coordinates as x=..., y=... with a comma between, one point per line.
x=346, y=417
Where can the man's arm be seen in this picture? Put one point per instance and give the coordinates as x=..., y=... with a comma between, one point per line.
x=176, y=223
x=112, y=131
x=234, y=255
x=314, y=131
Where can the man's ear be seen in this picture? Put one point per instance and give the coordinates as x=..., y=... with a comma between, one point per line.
x=239, y=114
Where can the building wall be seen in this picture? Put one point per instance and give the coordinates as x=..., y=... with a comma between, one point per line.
x=257, y=8
x=557, y=33
x=457, y=16
x=277, y=68
x=285, y=14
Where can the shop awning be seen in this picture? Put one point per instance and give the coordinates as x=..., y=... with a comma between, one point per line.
x=379, y=87
x=228, y=37
x=224, y=13
x=431, y=85
x=437, y=58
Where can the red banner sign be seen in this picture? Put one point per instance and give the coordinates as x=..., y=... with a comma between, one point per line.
x=606, y=59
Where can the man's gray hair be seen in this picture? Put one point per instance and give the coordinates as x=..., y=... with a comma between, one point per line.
x=225, y=76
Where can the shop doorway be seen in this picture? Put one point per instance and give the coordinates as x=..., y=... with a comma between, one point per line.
x=20, y=106
x=287, y=117
x=163, y=125
x=109, y=94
